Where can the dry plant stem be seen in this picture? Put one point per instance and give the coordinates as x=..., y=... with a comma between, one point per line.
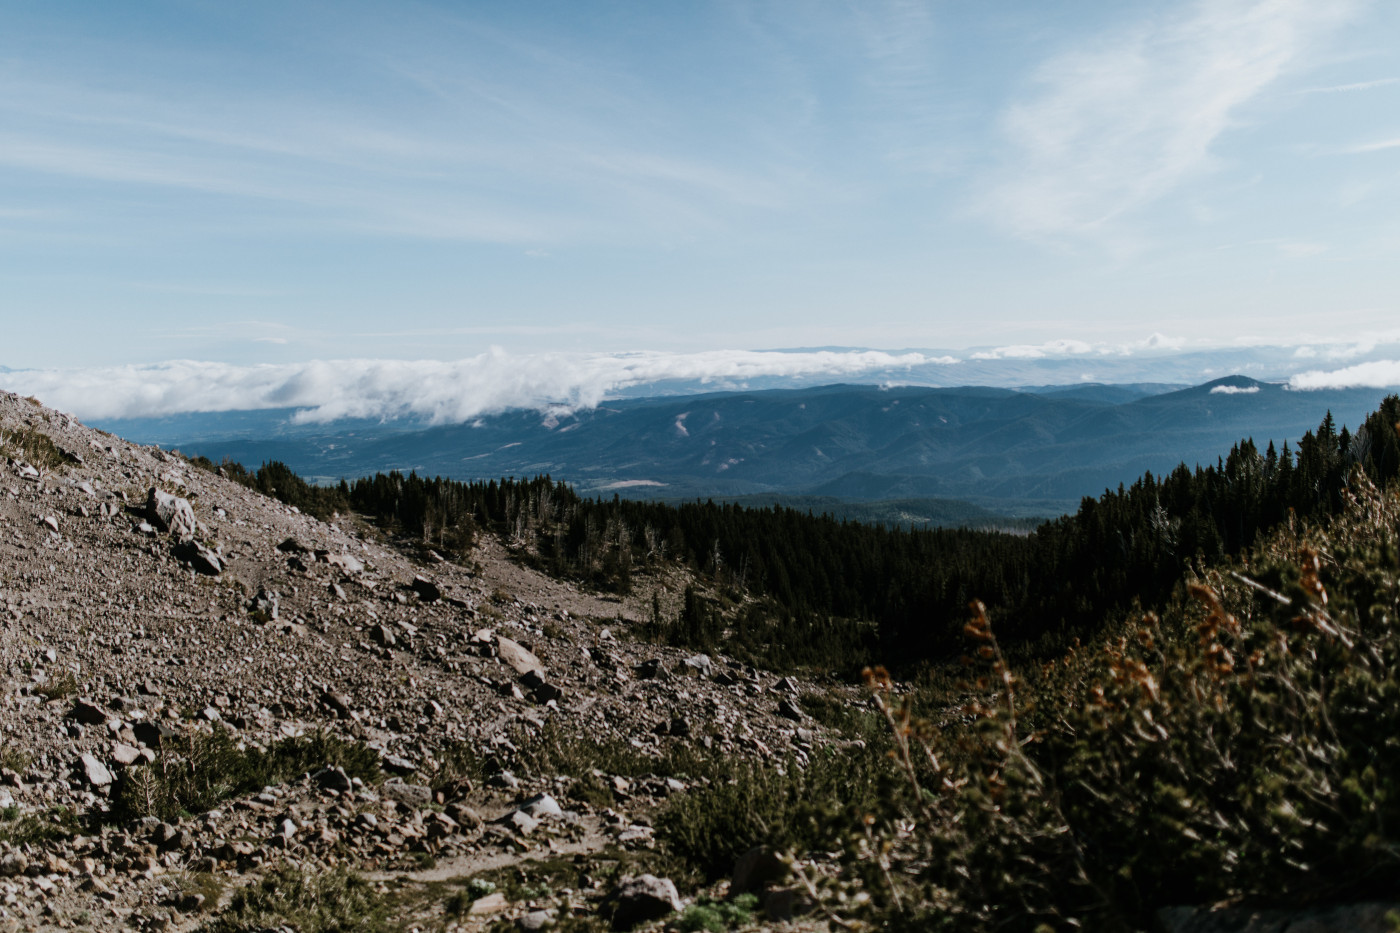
x=1261, y=588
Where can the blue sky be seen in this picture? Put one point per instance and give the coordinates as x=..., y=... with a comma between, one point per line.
x=271, y=183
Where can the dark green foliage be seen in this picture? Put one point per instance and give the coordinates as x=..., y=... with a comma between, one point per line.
x=788, y=806
x=557, y=751
x=194, y=773
x=712, y=916
x=813, y=591
x=335, y=901
x=56, y=823
x=277, y=480
x=1242, y=746
x=459, y=764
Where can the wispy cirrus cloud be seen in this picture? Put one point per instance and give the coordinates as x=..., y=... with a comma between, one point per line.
x=1126, y=116
x=445, y=392
x=1378, y=146
x=1352, y=87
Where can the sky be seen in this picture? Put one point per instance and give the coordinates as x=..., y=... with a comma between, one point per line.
x=401, y=191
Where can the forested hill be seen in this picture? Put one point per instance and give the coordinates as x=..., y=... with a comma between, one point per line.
x=1033, y=451
x=792, y=588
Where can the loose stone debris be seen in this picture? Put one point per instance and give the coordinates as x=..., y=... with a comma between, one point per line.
x=144, y=602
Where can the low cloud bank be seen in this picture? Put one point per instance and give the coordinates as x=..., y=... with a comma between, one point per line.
x=443, y=392
x=1377, y=374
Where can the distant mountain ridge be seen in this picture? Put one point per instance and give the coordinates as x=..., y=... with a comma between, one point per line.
x=998, y=448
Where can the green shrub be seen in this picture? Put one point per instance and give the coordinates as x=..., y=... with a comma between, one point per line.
x=712, y=916
x=336, y=901
x=784, y=807
x=1243, y=745
x=56, y=823
x=193, y=773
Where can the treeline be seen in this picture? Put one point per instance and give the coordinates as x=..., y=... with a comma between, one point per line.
x=796, y=588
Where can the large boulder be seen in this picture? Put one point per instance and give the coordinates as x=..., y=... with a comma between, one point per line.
x=170, y=513
x=518, y=656
x=642, y=898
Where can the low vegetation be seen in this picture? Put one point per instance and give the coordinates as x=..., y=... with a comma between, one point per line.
x=1240, y=745
x=335, y=901
x=1184, y=694
x=33, y=447
x=192, y=773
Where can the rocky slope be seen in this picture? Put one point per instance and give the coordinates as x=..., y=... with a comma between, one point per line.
x=145, y=603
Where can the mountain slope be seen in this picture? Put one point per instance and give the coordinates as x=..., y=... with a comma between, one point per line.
x=1049, y=445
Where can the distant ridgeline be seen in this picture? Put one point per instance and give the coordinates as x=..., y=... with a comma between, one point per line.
x=794, y=588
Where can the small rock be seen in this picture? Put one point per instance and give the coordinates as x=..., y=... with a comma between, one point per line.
x=338, y=703
x=346, y=562
x=650, y=669
x=520, y=821
x=415, y=795
x=536, y=920
x=542, y=806
x=333, y=779
x=88, y=713
x=492, y=903
x=395, y=764
x=125, y=755
x=170, y=513
x=199, y=557
x=426, y=589
x=94, y=771
x=543, y=690
x=790, y=710
x=700, y=664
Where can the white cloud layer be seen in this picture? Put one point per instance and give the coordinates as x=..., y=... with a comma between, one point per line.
x=444, y=392
x=1377, y=374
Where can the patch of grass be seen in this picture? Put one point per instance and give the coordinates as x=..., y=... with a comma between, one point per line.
x=206, y=884
x=556, y=751
x=13, y=759
x=715, y=916
x=336, y=901
x=193, y=773
x=853, y=720
x=57, y=823
x=35, y=447
x=784, y=807
x=459, y=765
x=591, y=790
x=59, y=688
